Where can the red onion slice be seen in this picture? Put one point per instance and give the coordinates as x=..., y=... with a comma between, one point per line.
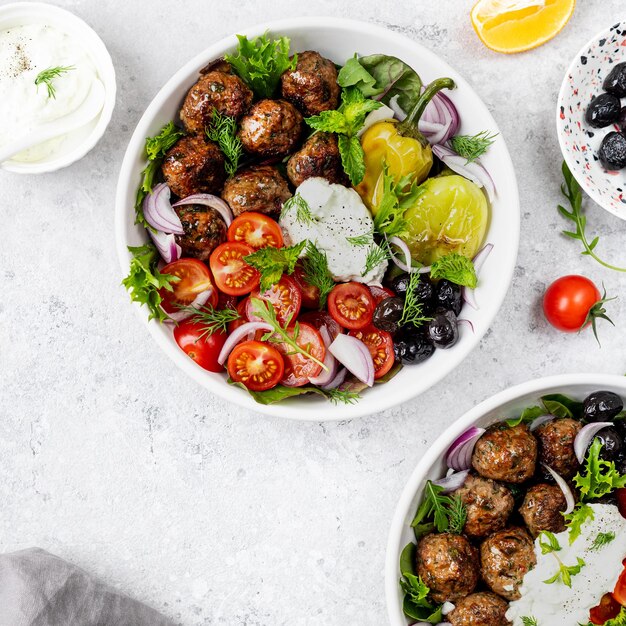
x=237, y=335
x=538, y=421
x=468, y=294
x=200, y=300
x=459, y=455
x=406, y=265
x=335, y=382
x=565, y=488
x=461, y=322
x=354, y=355
x=159, y=212
x=206, y=199
x=166, y=245
x=326, y=376
x=473, y=171
x=440, y=120
x=453, y=481
x=585, y=437
x=397, y=110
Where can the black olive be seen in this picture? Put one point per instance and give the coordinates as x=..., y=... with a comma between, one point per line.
x=615, y=82
x=602, y=406
x=412, y=348
x=400, y=284
x=387, y=314
x=425, y=293
x=603, y=110
x=448, y=296
x=621, y=122
x=443, y=329
x=612, y=444
x=612, y=152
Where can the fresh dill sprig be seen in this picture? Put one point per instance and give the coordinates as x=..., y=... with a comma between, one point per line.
x=413, y=312
x=316, y=272
x=603, y=539
x=303, y=210
x=457, y=515
x=377, y=254
x=361, y=240
x=448, y=514
x=529, y=621
x=48, y=75
x=339, y=395
x=212, y=320
x=223, y=131
x=471, y=147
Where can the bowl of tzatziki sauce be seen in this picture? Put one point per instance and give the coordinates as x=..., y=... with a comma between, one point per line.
x=50, y=61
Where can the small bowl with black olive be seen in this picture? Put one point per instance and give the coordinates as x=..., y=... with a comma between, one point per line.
x=591, y=119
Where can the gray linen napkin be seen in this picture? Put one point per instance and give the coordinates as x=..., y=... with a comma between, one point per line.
x=40, y=589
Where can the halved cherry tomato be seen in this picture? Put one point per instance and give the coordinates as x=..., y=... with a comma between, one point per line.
x=320, y=319
x=232, y=274
x=299, y=368
x=242, y=308
x=202, y=347
x=619, y=593
x=351, y=305
x=285, y=296
x=380, y=345
x=606, y=610
x=380, y=293
x=194, y=278
x=620, y=494
x=256, y=230
x=259, y=366
x=310, y=293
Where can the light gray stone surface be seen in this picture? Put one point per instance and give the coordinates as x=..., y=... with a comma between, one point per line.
x=116, y=461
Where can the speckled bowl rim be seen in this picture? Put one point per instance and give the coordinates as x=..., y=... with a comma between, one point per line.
x=568, y=154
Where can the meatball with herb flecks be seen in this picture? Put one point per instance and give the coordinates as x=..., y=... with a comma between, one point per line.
x=204, y=230
x=480, y=609
x=312, y=85
x=543, y=509
x=448, y=565
x=319, y=156
x=506, y=453
x=194, y=165
x=556, y=445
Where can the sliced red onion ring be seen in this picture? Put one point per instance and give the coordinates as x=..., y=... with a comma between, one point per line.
x=469, y=324
x=395, y=107
x=206, y=199
x=159, y=212
x=440, y=111
x=326, y=376
x=447, y=607
x=473, y=171
x=565, y=488
x=453, y=481
x=479, y=260
x=538, y=421
x=237, y=335
x=459, y=456
x=355, y=355
x=200, y=300
x=166, y=245
x=339, y=378
x=585, y=437
x=406, y=265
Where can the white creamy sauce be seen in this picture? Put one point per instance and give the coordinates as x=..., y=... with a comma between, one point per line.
x=25, y=51
x=338, y=213
x=558, y=604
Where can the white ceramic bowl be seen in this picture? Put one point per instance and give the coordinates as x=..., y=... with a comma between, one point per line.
x=432, y=466
x=81, y=141
x=338, y=40
x=579, y=141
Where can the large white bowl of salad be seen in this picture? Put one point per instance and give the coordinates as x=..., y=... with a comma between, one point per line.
x=516, y=515
x=317, y=218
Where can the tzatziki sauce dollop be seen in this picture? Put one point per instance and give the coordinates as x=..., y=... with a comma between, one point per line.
x=25, y=52
x=337, y=216
x=556, y=603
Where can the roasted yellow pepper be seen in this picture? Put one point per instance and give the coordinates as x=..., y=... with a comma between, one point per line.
x=400, y=146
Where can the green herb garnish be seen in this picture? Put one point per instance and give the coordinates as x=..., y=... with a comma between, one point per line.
x=448, y=513
x=413, y=311
x=528, y=415
x=376, y=254
x=456, y=268
x=48, y=75
x=344, y=396
x=548, y=542
x=566, y=572
x=223, y=131
x=471, y=147
x=301, y=207
x=396, y=198
x=600, y=477
x=316, y=272
x=212, y=320
x=529, y=621
x=361, y=240
x=272, y=263
x=575, y=520
x=602, y=539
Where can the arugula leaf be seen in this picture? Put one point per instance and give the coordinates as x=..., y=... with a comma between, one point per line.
x=447, y=513
x=456, y=268
x=600, y=476
x=144, y=280
x=272, y=263
x=601, y=540
x=280, y=393
x=316, y=272
x=566, y=572
x=416, y=604
x=471, y=147
x=396, y=198
x=156, y=147
x=261, y=62
x=552, y=543
x=223, y=131
x=576, y=519
x=528, y=415
x=562, y=406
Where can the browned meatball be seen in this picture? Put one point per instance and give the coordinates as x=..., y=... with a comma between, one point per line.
x=194, y=165
x=480, y=609
x=319, y=156
x=488, y=505
x=556, y=445
x=204, y=231
x=312, y=86
x=448, y=564
x=542, y=509
x=506, y=454
x=505, y=558
x=271, y=128
x=259, y=188
x=214, y=90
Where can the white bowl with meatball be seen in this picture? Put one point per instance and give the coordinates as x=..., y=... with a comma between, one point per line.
x=336, y=40
x=509, y=497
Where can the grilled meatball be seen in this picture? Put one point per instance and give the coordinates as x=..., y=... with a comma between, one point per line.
x=204, y=230
x=260, y=188
x=488, y=505
x=271, y=128
x=542, y=509
x=448, y=564
x=480, y=609
x=556, y=445
x=505, y=558
x=312, y=86
x=506, y=454
x=319, y=156
x=214, y=90
x=194, y=165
